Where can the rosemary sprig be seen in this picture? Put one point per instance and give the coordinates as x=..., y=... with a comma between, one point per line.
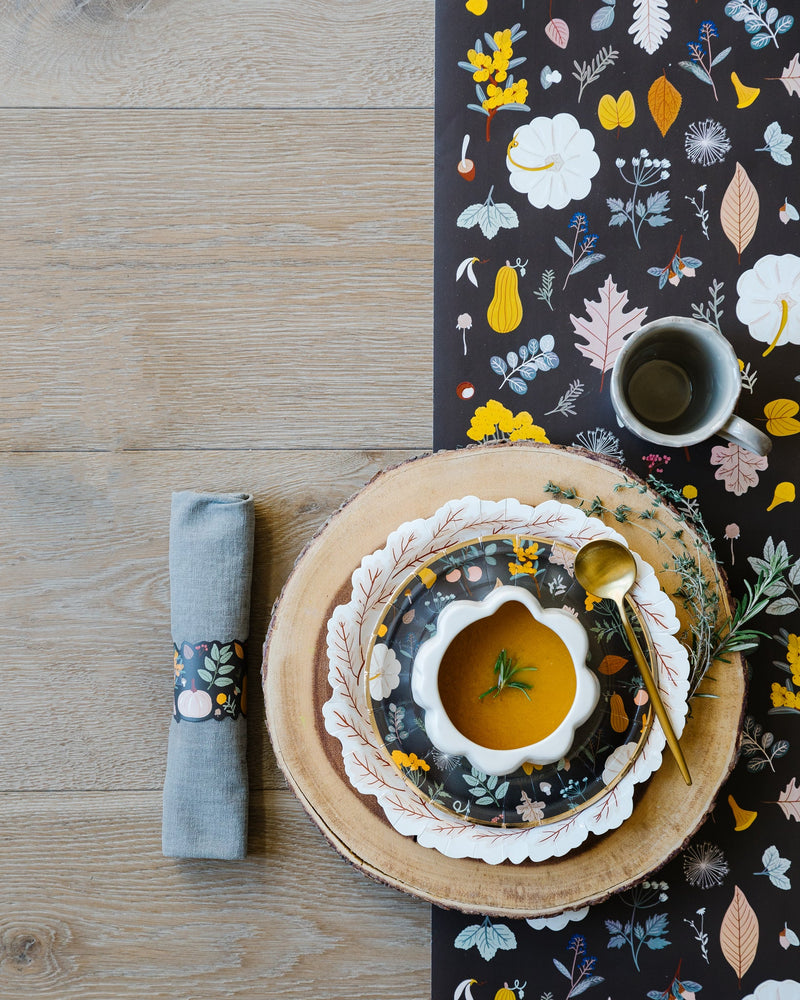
x=506, y=671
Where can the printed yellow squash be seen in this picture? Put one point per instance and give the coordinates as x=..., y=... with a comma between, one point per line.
x=504, y=993
x=505, y=309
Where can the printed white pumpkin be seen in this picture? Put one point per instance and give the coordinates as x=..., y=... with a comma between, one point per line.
x=769, y=300
x=195, y=704
x=552, y=160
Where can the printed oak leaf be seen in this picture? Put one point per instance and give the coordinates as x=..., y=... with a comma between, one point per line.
x=738, y=934
x=664, y=101
x=780, y=414
x=607, y=327
x=739, y=210
x=738, y=467
x=789, y=800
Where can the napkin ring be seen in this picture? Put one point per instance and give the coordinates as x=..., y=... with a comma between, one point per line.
x=210, y=681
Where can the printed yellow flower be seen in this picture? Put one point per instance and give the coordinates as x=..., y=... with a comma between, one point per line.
x=411, y=761
x=498, y=422
x=486, y=420
x=590, y=601
x=482, y=64
x=526, y=430
x=793, y=657
x=221, y=698
x=689, y=491
x=527, y=560
x=783, y=698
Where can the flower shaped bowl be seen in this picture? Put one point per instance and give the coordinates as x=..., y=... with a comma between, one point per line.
x=443, y=731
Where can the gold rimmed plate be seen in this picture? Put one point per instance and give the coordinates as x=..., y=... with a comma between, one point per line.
x=605, y=746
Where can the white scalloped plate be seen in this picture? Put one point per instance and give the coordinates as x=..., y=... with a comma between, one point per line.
x=347, y=718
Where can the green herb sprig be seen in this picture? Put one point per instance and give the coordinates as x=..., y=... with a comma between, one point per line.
x=506, y=672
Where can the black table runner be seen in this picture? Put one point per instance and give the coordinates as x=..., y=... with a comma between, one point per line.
x=652, y=175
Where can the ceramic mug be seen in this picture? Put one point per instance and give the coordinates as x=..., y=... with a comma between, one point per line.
x=676, y=382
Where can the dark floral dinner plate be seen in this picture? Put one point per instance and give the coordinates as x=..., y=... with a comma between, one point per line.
x=604, y=747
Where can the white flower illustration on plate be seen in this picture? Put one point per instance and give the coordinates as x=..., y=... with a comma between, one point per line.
x=552, y=160
x=384, y=671
x=769, y=300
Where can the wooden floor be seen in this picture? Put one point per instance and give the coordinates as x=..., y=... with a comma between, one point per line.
x=216, y=273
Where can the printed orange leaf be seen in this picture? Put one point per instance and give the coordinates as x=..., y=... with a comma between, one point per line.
x=607, y=327
x=738, y=935
x=664, y=102
x=739, y=210
x=617, y=112
x=780, y=417
x=557, y=31
x=610, y=664
x=789, y=800
x=738, y=467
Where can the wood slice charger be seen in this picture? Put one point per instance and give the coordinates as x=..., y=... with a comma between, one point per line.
x=666, y=812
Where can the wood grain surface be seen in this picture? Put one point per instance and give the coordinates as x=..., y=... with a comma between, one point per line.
x=216, y=273
x=667, y=813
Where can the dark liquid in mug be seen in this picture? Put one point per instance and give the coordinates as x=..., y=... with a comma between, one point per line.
x=660, y=391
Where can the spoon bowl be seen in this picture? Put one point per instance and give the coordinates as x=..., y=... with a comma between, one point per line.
x=607, y=569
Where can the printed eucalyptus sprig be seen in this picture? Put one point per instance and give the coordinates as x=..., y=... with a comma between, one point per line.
x=520, y=368
x=506, y=673
x=761, y=29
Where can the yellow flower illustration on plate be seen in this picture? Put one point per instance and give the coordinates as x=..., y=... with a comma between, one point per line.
x=527, y=559
x=409, y=761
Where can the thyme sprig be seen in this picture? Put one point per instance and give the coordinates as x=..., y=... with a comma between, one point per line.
x=506, y=672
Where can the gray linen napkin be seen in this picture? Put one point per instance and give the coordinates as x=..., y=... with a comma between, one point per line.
x=210, y=568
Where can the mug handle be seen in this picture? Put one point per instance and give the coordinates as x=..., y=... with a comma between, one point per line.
x=744, y=434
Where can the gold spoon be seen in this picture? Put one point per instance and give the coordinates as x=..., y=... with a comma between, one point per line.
x=607, y=569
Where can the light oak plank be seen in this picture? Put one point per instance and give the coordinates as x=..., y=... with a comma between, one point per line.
x=84, y=603
x=216, y=53
x=94, y=911
x=198, y=279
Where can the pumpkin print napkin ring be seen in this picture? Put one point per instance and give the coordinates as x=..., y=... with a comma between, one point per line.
x=210, y=564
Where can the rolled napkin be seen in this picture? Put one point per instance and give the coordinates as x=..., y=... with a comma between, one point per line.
x=210, y=568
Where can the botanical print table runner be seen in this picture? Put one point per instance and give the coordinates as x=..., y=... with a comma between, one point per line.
x=599, y=164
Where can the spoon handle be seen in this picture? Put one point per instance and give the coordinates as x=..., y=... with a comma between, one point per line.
x=655, y=697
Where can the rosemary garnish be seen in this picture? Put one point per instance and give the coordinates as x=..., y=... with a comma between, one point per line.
x=506, y=671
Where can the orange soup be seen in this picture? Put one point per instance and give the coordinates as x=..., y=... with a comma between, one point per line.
x=508, y=719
